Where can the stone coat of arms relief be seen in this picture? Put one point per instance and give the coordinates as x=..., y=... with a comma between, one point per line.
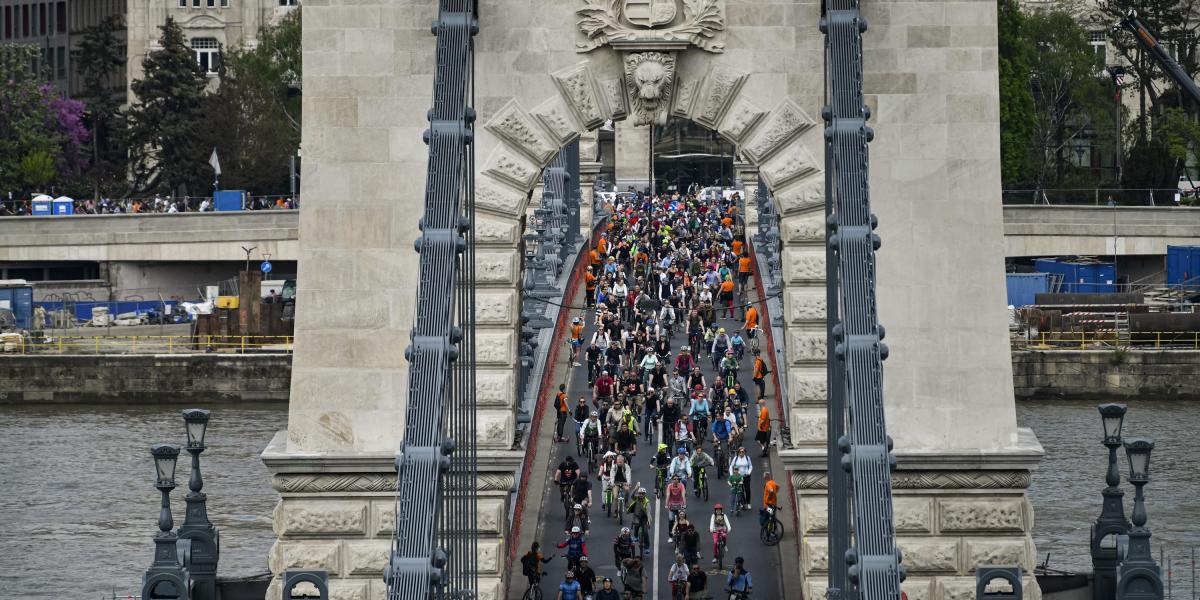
x=649, y=33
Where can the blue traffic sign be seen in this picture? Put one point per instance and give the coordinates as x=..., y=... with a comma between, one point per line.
x=265, y=266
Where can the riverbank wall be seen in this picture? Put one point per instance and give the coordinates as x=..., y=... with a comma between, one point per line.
x=195, y=378
x=145, y=378
x=1118, y=375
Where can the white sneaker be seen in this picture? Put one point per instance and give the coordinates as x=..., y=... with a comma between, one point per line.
x=577, y=364
x=714, y=561
x=670, y=540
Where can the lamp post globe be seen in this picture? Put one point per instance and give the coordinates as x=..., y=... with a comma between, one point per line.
x=166, y=578
x=165, y=457
x=1112, y=522
x=1139, y=577
x=205, y=539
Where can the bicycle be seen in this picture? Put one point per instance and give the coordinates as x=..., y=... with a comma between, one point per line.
x=567, y=501
x=722, y=537
x=702, y=482
x=589, y=449
x=679, y=590
x=620, y=505
x=737, y=595
x=771, y=529
x=534, y=591
x=753, y=342
x=608, y=500
x=660, y=481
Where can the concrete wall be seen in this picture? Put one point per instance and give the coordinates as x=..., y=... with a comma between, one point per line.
x=145, y=378
x=153, y=237
x=1107, y=374
x=1062, y=230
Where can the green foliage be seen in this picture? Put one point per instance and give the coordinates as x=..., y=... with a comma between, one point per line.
x=166, y=118
x=259, y=93
x=1016, y=97
x=100, y=57
x=1148, y=165
x=40, y=133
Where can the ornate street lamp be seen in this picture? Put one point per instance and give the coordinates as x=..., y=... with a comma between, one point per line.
x=196, y=526
x=166, y=577
x=1138, y=576
x=1112, y=521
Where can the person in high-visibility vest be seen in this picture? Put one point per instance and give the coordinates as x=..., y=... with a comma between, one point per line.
x=760, y=374
x=763, y=435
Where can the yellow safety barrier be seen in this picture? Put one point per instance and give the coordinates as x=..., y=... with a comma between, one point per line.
x=153, y=344
x=1082, y=340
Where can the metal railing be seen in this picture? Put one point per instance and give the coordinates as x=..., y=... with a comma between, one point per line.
x=146, y=344
x=153, y=205
x=1085, y=340
x=1163, y=197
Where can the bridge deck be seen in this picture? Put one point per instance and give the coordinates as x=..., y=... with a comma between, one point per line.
x=762, y=561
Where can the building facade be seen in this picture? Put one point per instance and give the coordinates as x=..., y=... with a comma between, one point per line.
x=208, y=26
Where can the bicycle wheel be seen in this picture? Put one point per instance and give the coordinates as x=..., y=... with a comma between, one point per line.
x=771, y=531
x=533, y=593
x=704, y=487
x=720, y=555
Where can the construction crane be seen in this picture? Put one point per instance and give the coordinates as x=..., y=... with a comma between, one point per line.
x=1150, y=44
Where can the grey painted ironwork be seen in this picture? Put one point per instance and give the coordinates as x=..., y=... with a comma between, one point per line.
x=434, y=543
x=1138, y=576
x=205, y=539
x=1112, y=522
x=167, y=578
x=873, y=560
x=318, y=579
x=984, y=576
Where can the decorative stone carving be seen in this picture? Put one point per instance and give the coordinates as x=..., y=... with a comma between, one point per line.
x=649, y=77
x=633, y=22
x=997, y=552
x=297, y=554
x=511, y=165
x=501, y=232
x=319, y=517
x=959, y=515
x=495, y=308
x=808, y=426
x=514, y=125
x=802, y=197
x=494, y=482
x=740, y=119
x=913, y=514
x=582, y=92
x=816, y=554
x=618, y=103
x=490, y=516
x=806, y=388
x=807, y=229
x=787, y=121
x=806, y=347
x=494, y=347
x=793, y=163
x=494, y=429
x=805, y=306
x=367, y=557
x=721, y=85
x=342, y=482
x=938, y=555
x=495, y=197
x=685, y=93
x=800, y=265
x=1004, y=514
x=495, y=267
x=554, y=115
x=494, y=387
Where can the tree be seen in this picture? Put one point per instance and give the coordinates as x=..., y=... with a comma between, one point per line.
x=1016, y=97
x=100, y=58
x=167, y=117
x=41, y=134
x=259, y=92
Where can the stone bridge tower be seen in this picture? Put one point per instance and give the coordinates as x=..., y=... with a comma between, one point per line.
x=547, y=72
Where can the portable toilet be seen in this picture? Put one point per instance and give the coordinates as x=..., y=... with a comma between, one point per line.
x=1183, y=264
x=17, y=295
x=43, y=205
x=64, y=206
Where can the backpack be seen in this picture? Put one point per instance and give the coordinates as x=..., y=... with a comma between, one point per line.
x=529, y=564
x=558, y=403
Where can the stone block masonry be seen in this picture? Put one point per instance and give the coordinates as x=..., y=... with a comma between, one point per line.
x=1107, y=374
x=198, y=379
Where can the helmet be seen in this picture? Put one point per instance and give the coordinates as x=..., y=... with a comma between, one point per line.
x=604, y=373
x=577, y=320
x=609, y=454
x=625, y=531
x=718, y=506
x=721, y=330
x=583, y=559
x=686, y=349
x=578, y=507
x=662, y=447
x=576, y=529
x=595, y=414
x=641, y=491
x=682, y=450
x=570, y=574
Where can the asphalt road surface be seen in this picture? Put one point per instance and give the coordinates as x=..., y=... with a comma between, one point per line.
x=762, y=561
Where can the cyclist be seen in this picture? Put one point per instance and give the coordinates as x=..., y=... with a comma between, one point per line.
x=603, y=389
x=770, y=498
x=640, y=509
x=576, y=546
x=729, y=368
x=620, y=476
x=623, y=546
x=576, y=340
x=685, y=362
x=659, y=463
x=678, y=577
x=763, y=435
x=607, y=591
x=586, y=578
x=580, y=415
x=745, y=468
x=577, y=520
x=700, y=461
x=604, y=473
x=593, y=432
x=739, y=580
x=689, y=539
x=697, y=583
x=676, y=503
x=569, y=588
x=681, y=466
x=566, y=474
x=737, y=487
x=581, y=492
x=634, y=579
x=625, y=441
x=530, y=566
x=722, y=429
x=719, y=526
x=683, y=435
x=670, y=416
x=699, y=413
x=751, y=322
x=720, y=344
x=593, y=362
x=738, y=344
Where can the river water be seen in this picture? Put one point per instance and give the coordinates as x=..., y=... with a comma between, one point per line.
x=78, y=508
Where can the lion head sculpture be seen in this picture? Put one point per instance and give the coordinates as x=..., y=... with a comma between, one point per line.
x=650, y=79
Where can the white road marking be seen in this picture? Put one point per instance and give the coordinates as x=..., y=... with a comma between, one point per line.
x=657, y=514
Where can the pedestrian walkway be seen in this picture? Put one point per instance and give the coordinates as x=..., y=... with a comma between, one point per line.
x=761, y=560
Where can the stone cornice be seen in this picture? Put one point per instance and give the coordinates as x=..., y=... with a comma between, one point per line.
x=1023, y=456
x=283, y=463
x=931, y=480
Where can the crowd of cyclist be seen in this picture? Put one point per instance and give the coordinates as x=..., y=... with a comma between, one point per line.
x=664, y=273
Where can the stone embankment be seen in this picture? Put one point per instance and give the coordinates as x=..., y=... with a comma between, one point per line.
x=1117, y=375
